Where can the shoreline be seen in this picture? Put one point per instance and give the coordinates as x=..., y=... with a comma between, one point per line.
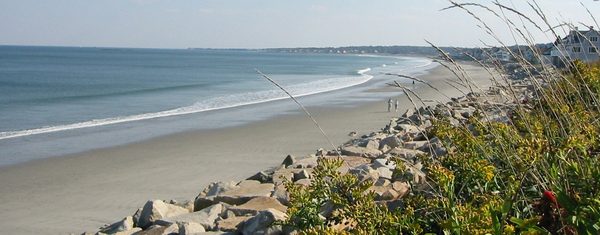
x=49, y=143
x=83, y=191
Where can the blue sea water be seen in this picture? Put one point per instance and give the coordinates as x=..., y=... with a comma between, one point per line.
x=53, y=94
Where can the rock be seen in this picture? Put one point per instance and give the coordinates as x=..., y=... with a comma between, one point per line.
x=415, y=144
x=321, y=152
x=360, y=152
x=365, y=172
x=384, y=172
x=308, y=162
x=370, y=144
x=389, y=128
x=382, y=182
x=281, y=194
x=216, y=188
x=206, y=197
x=408, y=113
x=126, y=232
x=157, y=209
x=376, y=136
x=466, y=112
x=136, y=217
x=407, y=154
x=377, y=163
x=171, y=229
x=284, y=174
x=227, y=214
x=232, y=224
x=217, y=233
x=248, y=183
x=245, y=192
x=152, y=230
x=189, y=228
x=408, y=129
x=454, y=122
x=119, y=226
x=389, y=194
x=205, y=217
x=303, y=182
x=187, y=204
x=351, y=162
x=401, y=187
x=262, y=176
x=424, y=125
x=257, y=204
x=391, y=141
x=415, y=175
x=384, y=192
x=288, y=161
x=303, y=174
x=385, y=148
x=378, y=190
x=260, y=223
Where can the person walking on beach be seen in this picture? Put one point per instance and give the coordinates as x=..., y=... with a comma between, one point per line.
x=390, y=105
x=396, y=106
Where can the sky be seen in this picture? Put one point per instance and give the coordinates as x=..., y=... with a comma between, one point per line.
x=268, y=23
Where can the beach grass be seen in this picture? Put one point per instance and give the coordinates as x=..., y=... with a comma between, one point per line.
x=535, y=172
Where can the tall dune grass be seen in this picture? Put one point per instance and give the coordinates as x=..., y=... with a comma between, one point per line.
x=537, y=173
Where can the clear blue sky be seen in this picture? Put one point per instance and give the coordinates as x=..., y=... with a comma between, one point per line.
x=257, y=23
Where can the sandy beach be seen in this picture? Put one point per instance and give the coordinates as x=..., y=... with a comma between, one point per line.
x=81, y=192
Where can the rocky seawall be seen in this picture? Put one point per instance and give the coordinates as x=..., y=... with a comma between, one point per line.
x=253, y=206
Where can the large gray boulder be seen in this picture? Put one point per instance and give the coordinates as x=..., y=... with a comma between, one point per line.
x=245, y=192
x=416, y=145
x=303, y=174
x=261, y=223
x=307, y=162
x=206, y=197
x=126, y=232
x=381, y=162
x=281, y=194
x=408, y=129
x=288, y=161
x=284, y=174
x=407, y=154
x=351, y=162
x=216, y=188
x=370, y=144
x=205, y=217
x=262, y=176
x=232, y=224
x=233, y=195
x=190, y=228
x=365, y=172
x=122, y=225
x=257, y=204
x=360, y=151
x=156, y=210
x=384, y=172
x=391, y=142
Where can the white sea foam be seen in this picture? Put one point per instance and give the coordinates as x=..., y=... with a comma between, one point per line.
x=363, y=71
x=216, y=103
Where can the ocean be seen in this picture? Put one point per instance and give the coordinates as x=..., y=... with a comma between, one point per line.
x=62, y=100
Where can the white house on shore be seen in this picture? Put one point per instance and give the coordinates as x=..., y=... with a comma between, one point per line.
x=578, y=45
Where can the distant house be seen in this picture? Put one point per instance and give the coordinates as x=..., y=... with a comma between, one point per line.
x=501, y=55
x=578, y=45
